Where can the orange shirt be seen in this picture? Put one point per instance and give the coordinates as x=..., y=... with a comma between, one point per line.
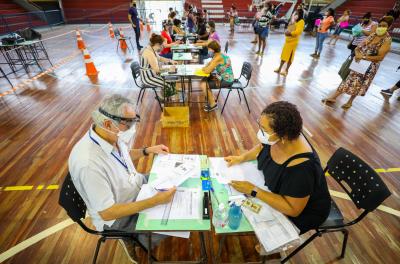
x=325, y=24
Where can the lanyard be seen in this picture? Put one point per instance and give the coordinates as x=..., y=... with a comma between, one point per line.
x=120, y=161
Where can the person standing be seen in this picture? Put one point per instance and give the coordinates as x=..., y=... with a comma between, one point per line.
x=366, y=28
x=322, y=33
x=374, y=50
x=206, y=17
x=255, y=24
x=233, y=14
x=292, y=34
x=263, y=27
x=342, y=23
x=134, y=19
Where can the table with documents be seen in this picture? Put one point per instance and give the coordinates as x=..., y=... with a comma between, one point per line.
x=184, y=213
x=272, y=228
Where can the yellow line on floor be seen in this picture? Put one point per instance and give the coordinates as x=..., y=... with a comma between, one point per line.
x=381, y=207
x=52, y=187
x=34, y=239
x=19, y=188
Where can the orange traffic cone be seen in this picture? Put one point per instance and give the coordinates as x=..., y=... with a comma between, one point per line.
x=111, y=30
x=148, y=26
x=90, y=68
x=81, y=44
x=141, y=26
x=122, y=42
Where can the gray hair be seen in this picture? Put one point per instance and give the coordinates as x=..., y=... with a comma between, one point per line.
x=114, y=104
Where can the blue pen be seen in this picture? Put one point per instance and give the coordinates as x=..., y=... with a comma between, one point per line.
x=161, y=190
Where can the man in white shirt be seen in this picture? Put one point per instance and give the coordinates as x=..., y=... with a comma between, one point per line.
x=101, y=167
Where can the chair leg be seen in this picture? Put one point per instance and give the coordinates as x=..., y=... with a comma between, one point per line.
x=216, y=99
x=245, y=99
x=226, y=100
x=101, y=240
x=346, y=236
x=311, y=238
x=240, y=98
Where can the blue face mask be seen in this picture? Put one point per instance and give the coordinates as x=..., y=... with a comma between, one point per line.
x=211, y=53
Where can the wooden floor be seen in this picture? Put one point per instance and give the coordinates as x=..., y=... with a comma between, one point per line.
x=40, y=125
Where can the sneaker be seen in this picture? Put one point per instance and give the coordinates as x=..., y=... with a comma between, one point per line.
x=129, y=249
x=387, y=93
x=208, y=108
x=313, y=55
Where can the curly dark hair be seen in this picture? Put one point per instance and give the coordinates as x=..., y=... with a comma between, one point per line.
x=286, y=119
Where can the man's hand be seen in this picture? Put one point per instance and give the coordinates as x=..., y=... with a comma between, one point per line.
x=242, y=186
x=233, y=160
x=158, y=149
x=165, y=197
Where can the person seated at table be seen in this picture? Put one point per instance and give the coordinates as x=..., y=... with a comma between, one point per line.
x=212, y=35
x=166, y=51
x=149, y=65
x=299, y=189
x=102, y=170
x=177, y=27
x=201, y=32
x=221, y=64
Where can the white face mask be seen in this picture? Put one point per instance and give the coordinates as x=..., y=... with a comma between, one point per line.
x=264, y=137
x=127, y=135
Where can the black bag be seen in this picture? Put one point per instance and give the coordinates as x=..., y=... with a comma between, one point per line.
x=12, y=39
x=345, y=69
x=29, y=34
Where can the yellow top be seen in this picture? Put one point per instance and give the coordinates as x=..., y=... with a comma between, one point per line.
x=296, y=33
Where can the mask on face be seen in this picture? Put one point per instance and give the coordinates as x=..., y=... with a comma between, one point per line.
x=264, y=138
x=127, y=135
x=211, y=53
x=208, y=30
x=380, y=31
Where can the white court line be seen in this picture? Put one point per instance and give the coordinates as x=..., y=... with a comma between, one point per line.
x=34, y=239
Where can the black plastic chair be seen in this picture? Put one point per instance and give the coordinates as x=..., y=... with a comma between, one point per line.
x=226, y=47
x=73, y=203
x=135, y=68
x=364, y=186
x=4, y=75
x=237, y=85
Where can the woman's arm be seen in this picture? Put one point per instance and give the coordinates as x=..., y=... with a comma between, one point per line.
x=287, y=205
x=247, y=156
x=299, y=29
x=212, y=65
x=384, y=49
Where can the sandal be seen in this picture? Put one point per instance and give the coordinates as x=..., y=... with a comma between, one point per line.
x=346, y=105
x=328, y=101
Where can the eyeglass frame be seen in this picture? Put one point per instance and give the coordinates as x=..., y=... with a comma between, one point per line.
x=129, y=121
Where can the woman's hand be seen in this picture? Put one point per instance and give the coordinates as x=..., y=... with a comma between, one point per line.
x=243, y=186
x=233, y=160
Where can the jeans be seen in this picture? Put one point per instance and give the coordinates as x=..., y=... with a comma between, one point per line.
x=137, y=35
x=167, y=55
x=320, y=41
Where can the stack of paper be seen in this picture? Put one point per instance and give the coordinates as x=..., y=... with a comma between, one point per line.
x=174, y=169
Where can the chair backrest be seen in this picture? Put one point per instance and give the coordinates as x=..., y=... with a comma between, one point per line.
x=364, y=186
x=71, y=200
x=135, y=69
x=116, y=32
x=226, y=47
x=246, y=72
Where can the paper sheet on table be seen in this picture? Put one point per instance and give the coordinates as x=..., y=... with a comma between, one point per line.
x=273, y=229
x=186, y=204
x=246, y=171
x=174, y=169
x=360, y=67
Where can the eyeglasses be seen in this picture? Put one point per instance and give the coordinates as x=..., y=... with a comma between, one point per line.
x=129, y=122
x=260, y=127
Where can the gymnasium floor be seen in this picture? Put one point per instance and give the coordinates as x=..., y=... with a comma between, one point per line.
x=47, y=116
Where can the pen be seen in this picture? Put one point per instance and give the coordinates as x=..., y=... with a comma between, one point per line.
x=161, y=190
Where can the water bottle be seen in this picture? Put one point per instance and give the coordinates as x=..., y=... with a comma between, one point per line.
x=220, y=216
x=235, y=216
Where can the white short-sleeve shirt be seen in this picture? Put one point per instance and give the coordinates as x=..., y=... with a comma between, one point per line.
x=100, y=177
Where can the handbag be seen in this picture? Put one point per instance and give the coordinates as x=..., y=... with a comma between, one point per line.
x=345, y=68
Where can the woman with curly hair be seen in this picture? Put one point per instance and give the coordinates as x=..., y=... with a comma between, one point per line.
x=291, y=168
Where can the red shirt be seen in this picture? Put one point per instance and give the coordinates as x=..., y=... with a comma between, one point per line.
x=166, y=35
